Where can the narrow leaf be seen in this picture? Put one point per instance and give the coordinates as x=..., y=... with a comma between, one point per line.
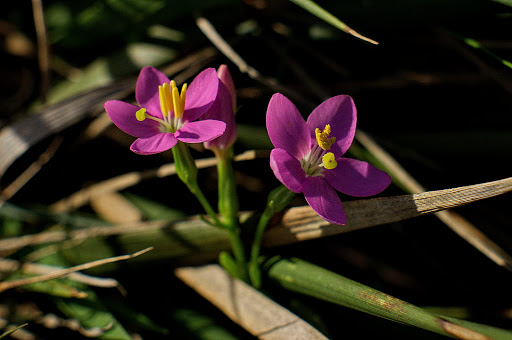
x=306, y=278
x=321, y=13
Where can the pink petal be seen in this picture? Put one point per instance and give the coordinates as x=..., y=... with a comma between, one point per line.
x=287, y=169
x=146, y=90
x=158, y=143
x=226, y=79
x=340, y=112
x=357, y=178
x=200, y=131
x=201, y=94
x=324, y=200
x=286, y=127
x=123, y=116
x=222, y=109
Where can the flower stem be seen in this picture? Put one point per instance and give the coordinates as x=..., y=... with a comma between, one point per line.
x=228, y=198
x=278, y=199
x=228, y=208
x=187, y=171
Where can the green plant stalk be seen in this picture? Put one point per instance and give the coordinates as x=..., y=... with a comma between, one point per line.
x=278, y=199
x=228, y=197
x=186, y=170
x=306, y=278
x=229, y=207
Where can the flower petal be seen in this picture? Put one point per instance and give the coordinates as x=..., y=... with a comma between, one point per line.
x=146, y=90
x=200, y=131
x=222, y=109
x=158, y=143
x=287, y=169
x=201, y=94
x=226, y=79
x=340, y=112
x=357, y=178
x=123, y=116
x=324, y=200
x=286, y=127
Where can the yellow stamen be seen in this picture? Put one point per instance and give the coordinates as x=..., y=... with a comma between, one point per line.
x=141, y=114
x=183, y=96
x=176, y=102
x=328, y=161
x=165, y=99
x=322, y=137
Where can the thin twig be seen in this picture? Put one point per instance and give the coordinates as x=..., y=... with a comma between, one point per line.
x=43, y=48
x=60, y=273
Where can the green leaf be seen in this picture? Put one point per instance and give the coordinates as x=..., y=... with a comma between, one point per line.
x=306, y=278
x=59, y=288
x=230, y=265
x=5, y=334
x=321, y=13
x=91, y=313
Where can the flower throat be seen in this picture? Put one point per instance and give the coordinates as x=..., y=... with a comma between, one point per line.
x=318, y=160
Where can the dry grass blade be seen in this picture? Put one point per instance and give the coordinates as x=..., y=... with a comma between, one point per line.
x=454, y=221
x=247, y=307
x=10, y=265
x=298, y=223
x=60, y=273
x=302, y=223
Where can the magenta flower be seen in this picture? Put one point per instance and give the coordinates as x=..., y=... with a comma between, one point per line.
x=223, y=109
x=307, y=157
x=164, y=115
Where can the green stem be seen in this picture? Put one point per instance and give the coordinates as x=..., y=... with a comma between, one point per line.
x=186, y=170
x=228, y=198
x=228, y=208
x=278, y=199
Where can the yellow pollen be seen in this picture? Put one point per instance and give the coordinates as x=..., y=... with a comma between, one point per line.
x=328, y=161
x=141, y=114
x=323, y=139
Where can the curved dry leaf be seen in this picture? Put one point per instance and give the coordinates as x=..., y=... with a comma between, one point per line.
x=302, y=223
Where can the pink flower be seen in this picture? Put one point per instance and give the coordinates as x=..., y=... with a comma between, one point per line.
x=223, y=109
x=164, y=115
x=307, y=157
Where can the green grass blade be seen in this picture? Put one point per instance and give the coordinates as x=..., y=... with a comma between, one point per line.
x=321, y=13
x=306, y=278
x=6, y=334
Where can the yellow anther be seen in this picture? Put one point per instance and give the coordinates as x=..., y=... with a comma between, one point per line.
x=328, y=161
x=141, y=114
x=183, y=95
x=322, y=137
x=165, y=99
x=176, y=102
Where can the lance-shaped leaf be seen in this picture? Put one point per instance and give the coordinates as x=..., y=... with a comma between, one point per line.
x=306, y=278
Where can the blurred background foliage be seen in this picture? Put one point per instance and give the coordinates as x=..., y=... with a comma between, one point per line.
x=438, y=103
